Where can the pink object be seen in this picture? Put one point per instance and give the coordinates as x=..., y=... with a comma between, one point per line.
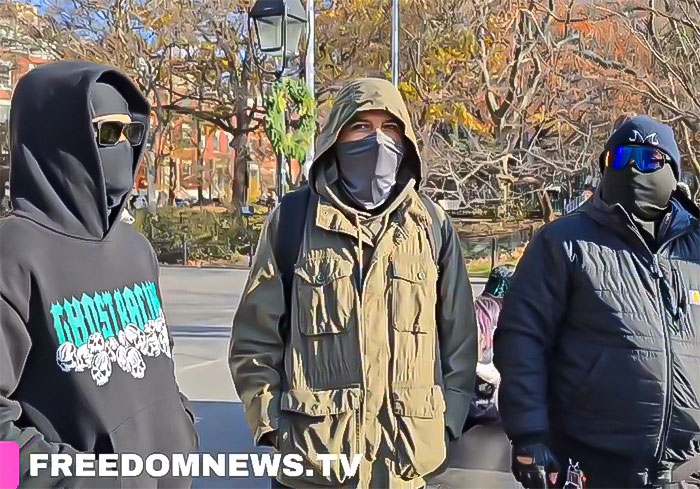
x=487, y=308
x=9, y=465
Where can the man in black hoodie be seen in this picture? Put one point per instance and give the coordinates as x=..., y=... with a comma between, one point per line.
x=85, y=355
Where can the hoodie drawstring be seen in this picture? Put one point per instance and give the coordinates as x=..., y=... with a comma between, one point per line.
x=361, y=258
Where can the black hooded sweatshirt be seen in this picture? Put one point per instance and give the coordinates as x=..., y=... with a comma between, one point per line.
x=85, y=355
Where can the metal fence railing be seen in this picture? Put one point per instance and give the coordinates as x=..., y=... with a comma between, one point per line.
x=574, y=204
x=184, y=237
x=492, y=250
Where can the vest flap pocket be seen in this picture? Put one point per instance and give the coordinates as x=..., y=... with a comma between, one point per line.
x=414, y=294
x=408, y=270
x=321, y=403
x=418, y=402
x=325, y=295
x=322, y=271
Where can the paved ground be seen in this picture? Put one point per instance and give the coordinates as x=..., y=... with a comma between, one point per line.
x=199, y=305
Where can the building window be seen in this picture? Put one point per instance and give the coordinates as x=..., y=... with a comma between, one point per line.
x=186, y=134
x=4, y=113
x=187, y=168
x=166, y=173
x=5, y=77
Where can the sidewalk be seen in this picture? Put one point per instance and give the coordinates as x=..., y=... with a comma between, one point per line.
x=473, y=280
x=479, y=459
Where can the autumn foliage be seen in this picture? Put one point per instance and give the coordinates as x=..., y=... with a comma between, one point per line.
x=512, y=99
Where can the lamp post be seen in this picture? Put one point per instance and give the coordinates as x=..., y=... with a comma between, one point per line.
x=395, y=29
x=278, y=29
x=309, y=72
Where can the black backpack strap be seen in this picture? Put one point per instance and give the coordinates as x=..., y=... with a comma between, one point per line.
x=436, y=221
x=290, y=232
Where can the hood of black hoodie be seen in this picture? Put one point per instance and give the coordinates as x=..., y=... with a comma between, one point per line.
x=56, y=176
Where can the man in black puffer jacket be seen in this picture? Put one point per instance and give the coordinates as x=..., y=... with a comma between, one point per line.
x=597, y=343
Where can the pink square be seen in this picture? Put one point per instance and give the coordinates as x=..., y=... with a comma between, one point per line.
x=9, y=465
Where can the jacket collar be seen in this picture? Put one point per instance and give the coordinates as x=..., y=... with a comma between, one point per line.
x=332, y=214
x=683, y=216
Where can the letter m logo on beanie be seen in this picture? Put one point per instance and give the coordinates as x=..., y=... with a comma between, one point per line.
x=637, y=137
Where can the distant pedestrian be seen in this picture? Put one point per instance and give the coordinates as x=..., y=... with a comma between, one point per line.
x=484, y=405
x=5, y=203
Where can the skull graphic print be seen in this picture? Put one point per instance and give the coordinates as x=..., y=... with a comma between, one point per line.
x=97, y=341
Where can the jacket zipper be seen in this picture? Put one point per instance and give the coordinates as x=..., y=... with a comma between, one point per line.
x=668, y=387
x=360, y=413
x=668, y=391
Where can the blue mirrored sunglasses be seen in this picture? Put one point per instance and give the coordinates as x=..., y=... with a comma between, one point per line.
x=646, y=159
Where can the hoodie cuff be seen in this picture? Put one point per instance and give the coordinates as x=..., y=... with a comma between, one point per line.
x=263, y=414
x=456, y=414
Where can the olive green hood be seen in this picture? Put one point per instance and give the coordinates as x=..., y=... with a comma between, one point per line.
x=361, y=95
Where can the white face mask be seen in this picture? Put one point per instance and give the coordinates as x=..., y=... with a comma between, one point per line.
x=368, y=168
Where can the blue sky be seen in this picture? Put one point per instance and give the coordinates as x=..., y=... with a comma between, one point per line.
x=41, y=4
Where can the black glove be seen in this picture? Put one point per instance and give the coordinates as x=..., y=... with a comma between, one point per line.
x=538, y=468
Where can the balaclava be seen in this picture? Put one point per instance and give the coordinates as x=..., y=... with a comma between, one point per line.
x=644, y=195
x=368, y=168
x=117, y=161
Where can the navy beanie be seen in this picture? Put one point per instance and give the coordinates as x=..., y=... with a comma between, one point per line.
x=642, y=130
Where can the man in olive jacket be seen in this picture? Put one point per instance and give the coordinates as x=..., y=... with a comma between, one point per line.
x=378, y=356
x=597, y=341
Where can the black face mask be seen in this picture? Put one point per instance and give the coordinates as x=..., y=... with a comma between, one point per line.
x=117, y=166
x=644, y=195
x=117, y=161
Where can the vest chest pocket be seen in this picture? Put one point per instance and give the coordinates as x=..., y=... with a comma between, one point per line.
x=325, y=295
x=687, y=295
x=413, y=294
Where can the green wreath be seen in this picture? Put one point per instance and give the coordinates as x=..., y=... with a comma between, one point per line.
x=293, y=145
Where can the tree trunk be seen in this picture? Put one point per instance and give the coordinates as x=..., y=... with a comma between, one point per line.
x=547, y=209
x=239, y=195
x=172, y=183
x=152, y=162
x=150, y=182
x=200, y=164
x=505, y=190
x=240, y=172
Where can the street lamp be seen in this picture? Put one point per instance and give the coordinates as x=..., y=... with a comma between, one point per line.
x=279, y=25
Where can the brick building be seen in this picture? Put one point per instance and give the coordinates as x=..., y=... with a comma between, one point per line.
x=218, y=160
x=18, y=55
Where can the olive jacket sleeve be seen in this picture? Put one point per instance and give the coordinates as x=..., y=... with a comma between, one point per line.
x=257, y=346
